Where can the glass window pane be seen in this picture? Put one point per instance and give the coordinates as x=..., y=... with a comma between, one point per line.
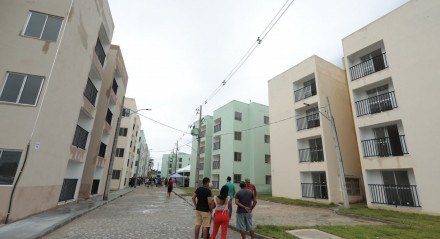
x=31, y=90
x=35, y=25
x=12, y=88
x=52, y=28
x=8, y=166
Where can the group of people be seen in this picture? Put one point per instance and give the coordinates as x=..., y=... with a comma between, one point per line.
x=221, y=206
x=146, y=181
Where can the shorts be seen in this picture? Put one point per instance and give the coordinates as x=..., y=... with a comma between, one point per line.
x=244, y=222
x=170, y=189
x=203, y=218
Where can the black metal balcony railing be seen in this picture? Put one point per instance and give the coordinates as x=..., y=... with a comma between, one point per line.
x=305, y=92
x=376, y=104
x=202, y=134
x=398, y=195
x=217, y=128
x=215, y=184
x=314, y=190
x=115, y=86
x=102, y=149
x=201, y=166
x=99, y=50
x=311, y=155
x=90, y=92
x=308, y=122
x=385, y=147
x=80, y=137
x=68, y=189
x=369, y=66
x=215, y=164
x=108, y=117
x=216, y=145
x=202, y=150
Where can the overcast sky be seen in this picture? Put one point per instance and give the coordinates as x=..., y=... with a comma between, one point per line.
x=178, y=51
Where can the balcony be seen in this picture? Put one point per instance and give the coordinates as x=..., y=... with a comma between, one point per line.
x=108, y=117
x=311, y=155
x=90, y=92
x=370, y=66
x=385, y=147
x=102, y=149
x=314, y=190
x=308, y=122
x=215, y=164
x=80, y=137
x=305, y=92
x=376, y=104
x=68, y=190
x=397, y=195
x=217, y=128
x=216, y=145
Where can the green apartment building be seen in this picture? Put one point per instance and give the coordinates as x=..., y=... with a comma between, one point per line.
x=238, y=146
x=170, y=165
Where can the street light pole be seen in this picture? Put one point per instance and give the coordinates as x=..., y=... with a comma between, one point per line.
x=196, y=181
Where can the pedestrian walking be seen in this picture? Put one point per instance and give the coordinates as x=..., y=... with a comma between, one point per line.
x=231, y=194
x=170, y=187
x=202, y=200
x=221, y=213
x=246, y=202
x=251, y=187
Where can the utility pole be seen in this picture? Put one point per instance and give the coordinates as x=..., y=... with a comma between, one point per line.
x=112, y=156
x=175, y=163
x=198, y=149
x=338, y=156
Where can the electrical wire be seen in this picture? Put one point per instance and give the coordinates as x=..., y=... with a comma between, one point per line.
x=163, y=124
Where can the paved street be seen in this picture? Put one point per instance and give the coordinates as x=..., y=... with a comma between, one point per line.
x=144, y=213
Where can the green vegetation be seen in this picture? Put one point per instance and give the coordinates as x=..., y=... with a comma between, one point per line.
x=189, y=191
x=296, y=202
x=401, y=225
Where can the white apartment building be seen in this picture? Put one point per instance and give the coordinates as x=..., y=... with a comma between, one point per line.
x=394, y=76
x=304, y=160
x=127, y=146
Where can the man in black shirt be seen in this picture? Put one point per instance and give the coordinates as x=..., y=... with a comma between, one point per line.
x=202, y=200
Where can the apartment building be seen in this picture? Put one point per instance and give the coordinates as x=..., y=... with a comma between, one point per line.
x=393, y=73
x=203, y=163
x=170, y=164
x=50, y=54
x=142, y=156
x=240, y=146
x=304, y=156
x=127, y=146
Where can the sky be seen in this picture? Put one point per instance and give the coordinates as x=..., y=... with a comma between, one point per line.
x=177, y=52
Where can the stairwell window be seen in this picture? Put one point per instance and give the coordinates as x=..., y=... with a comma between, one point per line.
x=43, y=26
x=123, y=132
x=9, y=160
x=237, y=135
x=119, y=152
x=116, y=174
x=21, y=88
x=267, y=158
x=237, y=156
x=237, y=178
x=267, y=139
x=238, y=116
x=266, y=119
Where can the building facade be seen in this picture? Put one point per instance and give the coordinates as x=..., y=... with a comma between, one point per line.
x=240, y=146
x=393, y=73
x=53, y=75
x=126, y=147
x=170, y=164
x=304, y=157
x=142, y=156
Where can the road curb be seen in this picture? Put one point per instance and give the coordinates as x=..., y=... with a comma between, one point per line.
x=257, y=235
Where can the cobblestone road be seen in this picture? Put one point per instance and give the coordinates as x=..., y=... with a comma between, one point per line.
x=144, y=213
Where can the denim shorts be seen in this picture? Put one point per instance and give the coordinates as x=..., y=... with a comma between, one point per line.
x=244, y=222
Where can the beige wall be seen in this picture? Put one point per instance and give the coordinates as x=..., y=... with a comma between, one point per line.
x=410, y=37
x=286, y=169
x=60, y=101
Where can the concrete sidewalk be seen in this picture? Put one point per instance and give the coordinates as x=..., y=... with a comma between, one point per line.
x=41, y=224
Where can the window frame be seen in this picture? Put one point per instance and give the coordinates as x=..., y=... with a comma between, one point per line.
x=267, y=138
x=266, y=120
x=17, y=102
x=270, y=179
x=18, y=164
x=236, y=154
x=240, y=116
x=119, y=174
x=234, y=178
x=266, y=156
x=28, y=18
x=236, y=133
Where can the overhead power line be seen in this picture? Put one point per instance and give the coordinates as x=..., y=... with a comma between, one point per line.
x=163, y=124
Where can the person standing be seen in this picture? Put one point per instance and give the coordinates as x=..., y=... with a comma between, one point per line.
x=202, y=200
x=246, y=202
x=170, y=187
x=221, y=215
x=251, y=187
x=231, y=193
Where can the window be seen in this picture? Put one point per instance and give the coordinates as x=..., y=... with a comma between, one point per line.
x=237, y=135
x=9, y=160
x=237, y=156
x=100, y=53
x=21, y=88
x=123, y=132
x=238, y=116
x=237, y=178
x=43, y=26
x=267, y=158
x=125, y=112
x=128, y=162
x=266, y=120
x=115, y=86
x=267, y=138
x=353, y=186
x=119, y=152
x=268, y=179
x=116, y=174
x=102, y=149
x=108, y=117
x=217, y=125
x=133, y=126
